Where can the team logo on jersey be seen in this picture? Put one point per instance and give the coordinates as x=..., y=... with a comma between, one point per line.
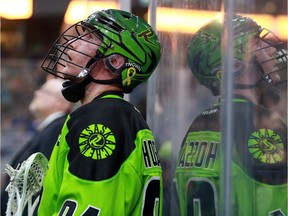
x=97, y=142
x=267, y=146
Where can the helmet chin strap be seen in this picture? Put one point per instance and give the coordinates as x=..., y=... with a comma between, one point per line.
x=242, y=86
x=75, y=91
x=269, y=98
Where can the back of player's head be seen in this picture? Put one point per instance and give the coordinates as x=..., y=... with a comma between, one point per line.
x=205, y=51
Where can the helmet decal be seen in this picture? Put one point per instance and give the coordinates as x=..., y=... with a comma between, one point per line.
x=218, y=74
x=130, y=73
x=149, y=33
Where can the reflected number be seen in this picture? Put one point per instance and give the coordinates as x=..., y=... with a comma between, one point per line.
x=201, y=198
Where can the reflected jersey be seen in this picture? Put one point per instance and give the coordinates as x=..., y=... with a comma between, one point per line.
x=104, y=163
x=259, y=163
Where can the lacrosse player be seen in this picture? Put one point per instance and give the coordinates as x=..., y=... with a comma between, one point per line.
x=259, y=158
x=105, y=161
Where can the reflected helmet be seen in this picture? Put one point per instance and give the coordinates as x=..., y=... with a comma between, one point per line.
x=205, y=51
x=120, y=33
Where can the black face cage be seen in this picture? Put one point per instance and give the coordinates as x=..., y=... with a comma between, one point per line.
x=279, y=60
x=57, y=57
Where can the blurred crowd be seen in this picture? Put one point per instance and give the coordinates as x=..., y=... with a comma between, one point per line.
x=19, y=79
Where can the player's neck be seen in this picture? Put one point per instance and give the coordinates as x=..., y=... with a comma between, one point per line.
x=93, y=90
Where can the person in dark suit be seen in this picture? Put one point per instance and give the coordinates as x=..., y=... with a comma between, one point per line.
x=50, y=110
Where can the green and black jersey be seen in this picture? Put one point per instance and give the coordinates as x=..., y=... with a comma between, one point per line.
x=104, y=163
x=259, y=163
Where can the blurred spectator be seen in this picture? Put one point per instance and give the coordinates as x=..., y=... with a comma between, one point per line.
x=50, y=110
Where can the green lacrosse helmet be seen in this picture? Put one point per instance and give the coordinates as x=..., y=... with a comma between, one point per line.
x=205, y=51
x=120, y=33
x=131, y=37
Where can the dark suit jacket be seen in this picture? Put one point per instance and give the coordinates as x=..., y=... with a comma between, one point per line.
x=42, y=141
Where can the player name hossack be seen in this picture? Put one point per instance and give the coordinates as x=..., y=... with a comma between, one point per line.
x=150, y=154
x=199, y=155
